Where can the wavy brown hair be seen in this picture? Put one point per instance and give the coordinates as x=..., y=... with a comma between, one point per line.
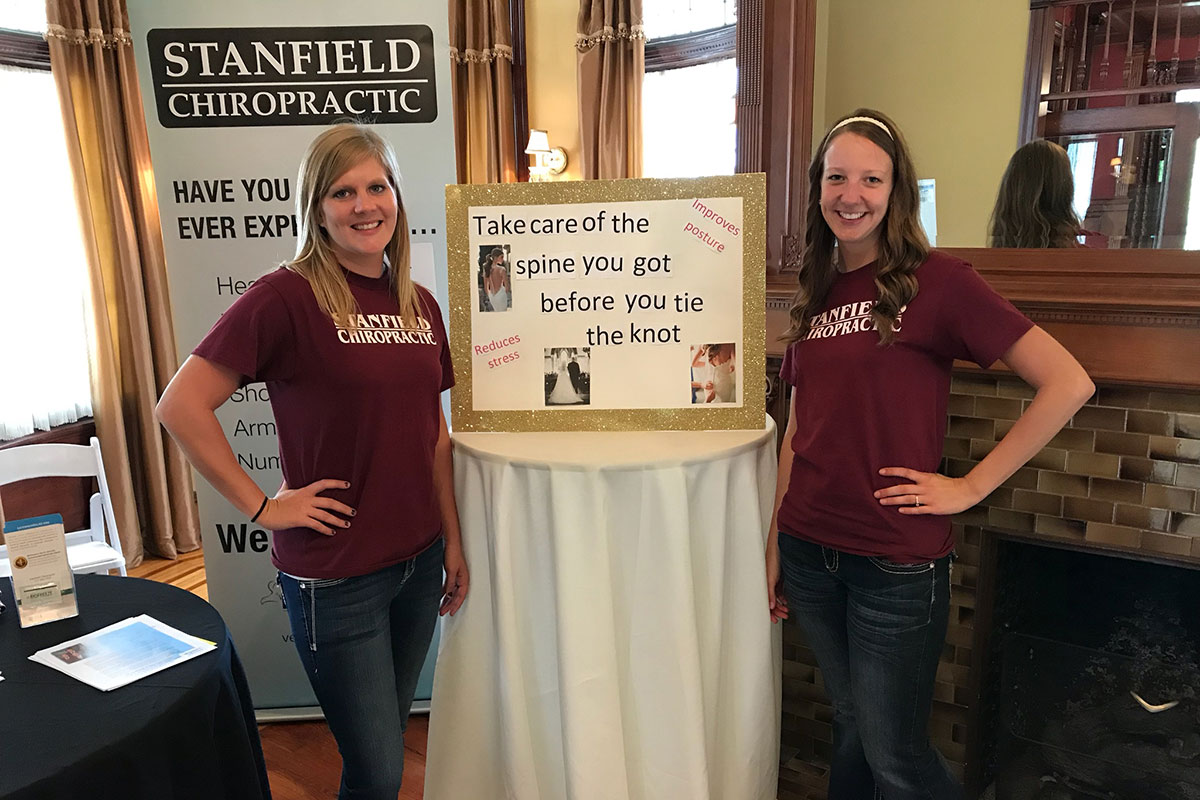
x=1034, y=207
x=489, y=261
x=902, y=243
x=337, y=149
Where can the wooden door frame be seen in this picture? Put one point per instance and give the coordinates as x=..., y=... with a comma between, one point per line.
x=776, y=68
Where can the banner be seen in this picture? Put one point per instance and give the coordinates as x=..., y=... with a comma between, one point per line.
x=233, y=93
x=609, y=305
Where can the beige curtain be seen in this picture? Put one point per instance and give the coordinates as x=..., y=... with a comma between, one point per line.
x=612, y=63
x=481, y=57
x=133, y=343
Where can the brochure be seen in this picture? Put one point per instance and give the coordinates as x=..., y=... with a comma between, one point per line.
x=123, y=652
x=42, y=582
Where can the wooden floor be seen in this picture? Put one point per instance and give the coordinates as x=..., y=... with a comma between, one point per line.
x=186, y=572
x=302, y=758
x=303, y=761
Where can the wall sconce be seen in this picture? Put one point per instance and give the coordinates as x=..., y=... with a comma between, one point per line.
x=547, y=160
x=1116, y=167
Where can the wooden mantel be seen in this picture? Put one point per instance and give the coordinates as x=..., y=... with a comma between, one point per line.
x=1129, y=316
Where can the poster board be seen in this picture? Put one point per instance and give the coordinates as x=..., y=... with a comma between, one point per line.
x=608, y=305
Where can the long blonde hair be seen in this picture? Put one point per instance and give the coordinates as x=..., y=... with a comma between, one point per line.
x=335, y=151
x=902, y=245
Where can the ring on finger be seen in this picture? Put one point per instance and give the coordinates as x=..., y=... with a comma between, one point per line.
x=916, y=501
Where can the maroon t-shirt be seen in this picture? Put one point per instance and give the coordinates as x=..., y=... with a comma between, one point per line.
x=861, y=407
x=356, y=404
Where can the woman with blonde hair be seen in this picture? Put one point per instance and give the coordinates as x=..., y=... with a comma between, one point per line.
x=860, y=543
x=354, y=355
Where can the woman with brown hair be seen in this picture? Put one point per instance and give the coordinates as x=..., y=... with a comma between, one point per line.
x=1035, y=204
x=860, y=543
x=495, y=280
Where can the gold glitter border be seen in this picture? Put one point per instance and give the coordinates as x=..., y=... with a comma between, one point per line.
x=751, y=187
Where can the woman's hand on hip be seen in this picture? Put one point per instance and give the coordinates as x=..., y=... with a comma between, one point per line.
x=307, y=508
x=458, y=580
x=927, y=492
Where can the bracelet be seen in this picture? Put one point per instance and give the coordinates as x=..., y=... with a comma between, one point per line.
x=261, y=508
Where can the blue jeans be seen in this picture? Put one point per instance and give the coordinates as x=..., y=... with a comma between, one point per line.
x=877, y=629
x=363, y=641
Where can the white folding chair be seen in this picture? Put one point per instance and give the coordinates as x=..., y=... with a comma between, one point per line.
x=88, y=550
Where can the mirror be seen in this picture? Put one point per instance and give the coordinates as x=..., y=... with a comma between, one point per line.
x=1104, y=71
x=1120, y=183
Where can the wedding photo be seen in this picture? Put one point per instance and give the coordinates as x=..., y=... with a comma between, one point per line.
x=714, y=373
x=568, y=376
x=495, y=290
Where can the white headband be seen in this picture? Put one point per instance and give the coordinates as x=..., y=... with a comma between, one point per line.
x=871, y=120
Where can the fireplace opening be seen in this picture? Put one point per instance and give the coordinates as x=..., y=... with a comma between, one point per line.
x=1091, y=681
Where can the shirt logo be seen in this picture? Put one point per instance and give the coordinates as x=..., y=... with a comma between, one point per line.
x=384, y=329
x=847, y=319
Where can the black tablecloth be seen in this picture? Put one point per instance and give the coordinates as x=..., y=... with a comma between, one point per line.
x=187, y=732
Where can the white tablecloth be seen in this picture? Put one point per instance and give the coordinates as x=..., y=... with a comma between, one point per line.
x=616, y=643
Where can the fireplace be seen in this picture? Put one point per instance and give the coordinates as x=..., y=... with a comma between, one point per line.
x=1090, y=677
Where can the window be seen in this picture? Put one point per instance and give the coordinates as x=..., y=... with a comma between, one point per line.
x=43, y=272
x=689, y=94
x=24, y=16
x=1083, y=170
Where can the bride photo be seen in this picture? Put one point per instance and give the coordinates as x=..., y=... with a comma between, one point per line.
x=568, y=376
x=495, y=290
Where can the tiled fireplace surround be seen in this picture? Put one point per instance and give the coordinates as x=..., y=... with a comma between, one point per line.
x=1123, y=478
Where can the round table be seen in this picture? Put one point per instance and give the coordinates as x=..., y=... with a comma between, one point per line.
x=185, y=732
x=616, y=642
